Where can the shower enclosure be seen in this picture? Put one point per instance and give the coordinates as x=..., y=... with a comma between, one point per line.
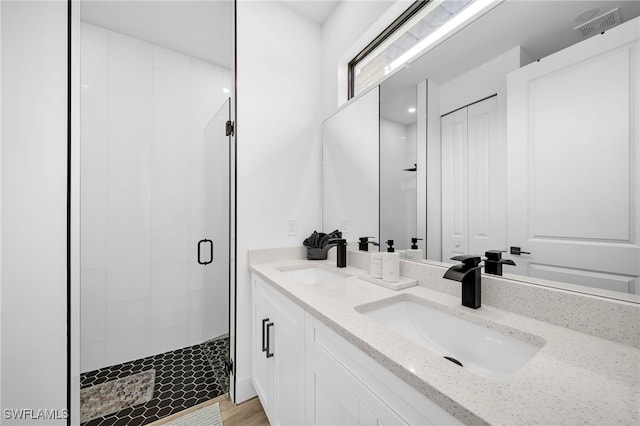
x=155, y=206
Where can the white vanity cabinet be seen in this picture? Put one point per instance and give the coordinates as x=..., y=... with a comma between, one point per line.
x=344, y=386
x=278, y=354
x=316, y=377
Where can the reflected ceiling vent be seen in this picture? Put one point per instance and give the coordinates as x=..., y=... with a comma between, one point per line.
x=599, y=24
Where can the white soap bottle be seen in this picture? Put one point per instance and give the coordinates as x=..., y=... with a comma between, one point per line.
x=390, y=264
x=376, y=264
x=414, y=253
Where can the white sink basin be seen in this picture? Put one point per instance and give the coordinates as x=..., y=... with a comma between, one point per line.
x=484, y=351
x=312, y=274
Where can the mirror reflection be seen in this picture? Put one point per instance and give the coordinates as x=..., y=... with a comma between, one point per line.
x=350, y=164
x=524, y=140
x=398, y=164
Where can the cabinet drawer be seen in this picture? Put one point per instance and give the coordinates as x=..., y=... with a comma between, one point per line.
x=388, y=398
x=281, y=307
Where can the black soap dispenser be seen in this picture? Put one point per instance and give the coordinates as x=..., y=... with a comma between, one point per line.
x=414, y=253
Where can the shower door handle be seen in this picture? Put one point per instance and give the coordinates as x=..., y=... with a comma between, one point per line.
x=205, y=241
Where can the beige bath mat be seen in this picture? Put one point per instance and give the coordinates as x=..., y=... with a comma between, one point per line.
x=209, y=415
x=110, y=397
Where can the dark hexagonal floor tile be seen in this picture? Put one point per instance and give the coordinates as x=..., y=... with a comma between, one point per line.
x=184, y=378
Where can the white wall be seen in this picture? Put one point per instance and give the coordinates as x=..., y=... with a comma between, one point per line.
x=278, y=144
x=34, y=178
x=143, y=114
x=482, y=81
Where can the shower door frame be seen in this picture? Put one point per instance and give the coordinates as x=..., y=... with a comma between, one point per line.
x=73, y=211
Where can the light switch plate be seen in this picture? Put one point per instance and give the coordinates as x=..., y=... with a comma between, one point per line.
x=344, y=224
x=292, y=226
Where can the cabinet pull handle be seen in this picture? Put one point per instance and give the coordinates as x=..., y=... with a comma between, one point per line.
x=269, y=353
x=264, y=345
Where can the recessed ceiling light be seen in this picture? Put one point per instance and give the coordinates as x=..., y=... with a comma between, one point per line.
x=225, y=90
x=586, y=15
x=412, y=109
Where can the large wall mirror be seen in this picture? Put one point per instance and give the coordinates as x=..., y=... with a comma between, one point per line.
x=350, y=164
x=488, y=142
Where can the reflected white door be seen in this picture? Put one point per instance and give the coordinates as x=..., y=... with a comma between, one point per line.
x=473, y=174
x=455, y=188
x=573, y=163
x=487, y=174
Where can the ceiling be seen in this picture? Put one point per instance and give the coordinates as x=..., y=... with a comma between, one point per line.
x=198, y=28
x=540, y=27
x=201, y=29
x=316, y=10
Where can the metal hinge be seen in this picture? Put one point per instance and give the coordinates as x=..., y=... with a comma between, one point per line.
x=230, y=128
x=228, y=366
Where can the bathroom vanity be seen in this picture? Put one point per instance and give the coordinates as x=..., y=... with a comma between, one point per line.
x=325, y=351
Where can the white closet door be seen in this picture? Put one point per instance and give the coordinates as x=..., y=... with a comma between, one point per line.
x=487, y=173
x=573, y=163
x=455, y=200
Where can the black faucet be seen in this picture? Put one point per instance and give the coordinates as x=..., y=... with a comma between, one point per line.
x=468, y=273
x=494, y=261
x=341, y=258
x=363, y=245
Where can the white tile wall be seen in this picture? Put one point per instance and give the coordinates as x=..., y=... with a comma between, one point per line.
x=130, y=125
x=170, y=103
x=196, y=316
x=170, y=231
x=170, y=167
x=130, y=66
x=128, y=271
x=92, y=306
x=169, y=295
x=143, y=111
x=128, y=325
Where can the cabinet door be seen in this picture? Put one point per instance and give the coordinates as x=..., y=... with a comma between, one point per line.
x=331, y=402
x=263, y=367
x=338, y=398
x=344, y=386
x=287, y=346
x=278, y=355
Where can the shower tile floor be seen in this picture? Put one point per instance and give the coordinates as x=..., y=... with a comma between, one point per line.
x=184, y=378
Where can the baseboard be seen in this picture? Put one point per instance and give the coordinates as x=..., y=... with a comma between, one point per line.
x=244, y=390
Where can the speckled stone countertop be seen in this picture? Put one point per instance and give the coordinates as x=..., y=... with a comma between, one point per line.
x=575, y=378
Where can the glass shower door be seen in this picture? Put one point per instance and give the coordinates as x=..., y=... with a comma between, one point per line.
x=213, y=248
